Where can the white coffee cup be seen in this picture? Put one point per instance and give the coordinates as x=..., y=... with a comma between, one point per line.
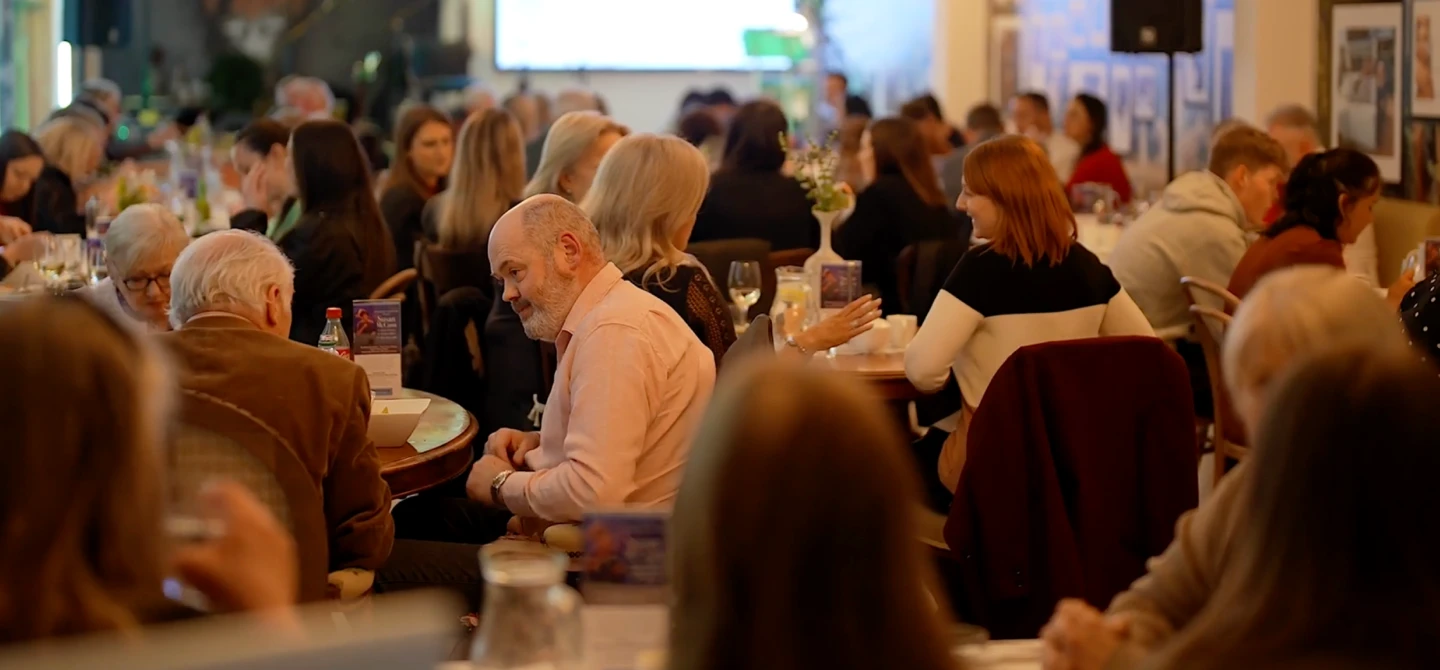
x=902, y=329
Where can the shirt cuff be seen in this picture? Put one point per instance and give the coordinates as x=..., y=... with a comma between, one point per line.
x=514, y=494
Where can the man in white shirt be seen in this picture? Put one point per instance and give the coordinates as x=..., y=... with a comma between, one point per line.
x=1030, y=112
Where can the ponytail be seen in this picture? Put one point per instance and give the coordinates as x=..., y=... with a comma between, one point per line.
x=1312, y=195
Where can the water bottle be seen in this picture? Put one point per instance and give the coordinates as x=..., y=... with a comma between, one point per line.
x=332, y=338
x=531, y=619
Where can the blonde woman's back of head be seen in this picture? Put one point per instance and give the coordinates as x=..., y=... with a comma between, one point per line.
x=72, y=144
x=488, y=178
x=798, y=492
x=569, y=138
x=647, y=192
x=81, y=493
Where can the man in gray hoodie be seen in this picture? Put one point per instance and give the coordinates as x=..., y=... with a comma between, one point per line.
x=1199, y=227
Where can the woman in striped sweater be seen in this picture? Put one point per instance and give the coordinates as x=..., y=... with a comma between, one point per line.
x=1030, y=283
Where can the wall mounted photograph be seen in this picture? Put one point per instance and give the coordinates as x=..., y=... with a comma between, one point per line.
x=1366, y=44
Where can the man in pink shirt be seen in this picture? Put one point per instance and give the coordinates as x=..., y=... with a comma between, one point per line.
x=631, y=383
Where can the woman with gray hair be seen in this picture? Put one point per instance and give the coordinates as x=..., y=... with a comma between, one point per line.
x=1291, y=316
x=140, y=249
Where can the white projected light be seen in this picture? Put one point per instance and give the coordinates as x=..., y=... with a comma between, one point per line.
x=653, y=35
x=64, y=74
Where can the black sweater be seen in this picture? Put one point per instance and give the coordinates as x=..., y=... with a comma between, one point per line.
x=889, y=216
x=329, y=272
x=762, y=205
x=402, y=208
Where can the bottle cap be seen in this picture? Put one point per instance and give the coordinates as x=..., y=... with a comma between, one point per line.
x=332, y=312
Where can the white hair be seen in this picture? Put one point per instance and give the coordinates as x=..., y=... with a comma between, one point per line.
x=569, y=138
x=101, y=89
x=576, y=100
x=479, y=97
x=288, y=87
x=225, y=270
x=143, y=235
x=1299, y=312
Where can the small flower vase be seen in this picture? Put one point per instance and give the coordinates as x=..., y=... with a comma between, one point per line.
x=824, y=255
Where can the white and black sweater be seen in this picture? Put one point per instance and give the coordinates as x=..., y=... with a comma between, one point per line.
x=991, y=306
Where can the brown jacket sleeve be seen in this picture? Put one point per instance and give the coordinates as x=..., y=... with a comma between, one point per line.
x=357, y=500
x=1179, y=582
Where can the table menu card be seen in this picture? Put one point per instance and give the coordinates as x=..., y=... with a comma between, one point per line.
x=377, y=344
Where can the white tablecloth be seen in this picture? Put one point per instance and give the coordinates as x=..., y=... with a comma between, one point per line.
x=1099, y=238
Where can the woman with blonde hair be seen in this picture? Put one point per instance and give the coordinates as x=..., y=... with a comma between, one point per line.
x=643, y=203
x=1291, y=315
x=1030, y=283
x=487, y=180
x=74, y=148
x=83, y=545
x=574, y=147
x=793, y=535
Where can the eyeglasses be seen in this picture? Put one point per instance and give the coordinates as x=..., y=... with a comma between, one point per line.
x=141, y=283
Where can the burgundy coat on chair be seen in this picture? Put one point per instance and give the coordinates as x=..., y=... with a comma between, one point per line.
x=1080, y=459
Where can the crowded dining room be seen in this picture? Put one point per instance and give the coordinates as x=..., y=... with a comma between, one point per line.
x=719, y=335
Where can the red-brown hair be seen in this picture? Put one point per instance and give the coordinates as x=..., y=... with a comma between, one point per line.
x=1035, y=220
x=402, y=173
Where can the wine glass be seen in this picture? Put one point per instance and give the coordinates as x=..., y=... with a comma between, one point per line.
x=744, y=290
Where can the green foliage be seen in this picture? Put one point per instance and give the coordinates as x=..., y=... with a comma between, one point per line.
x=815, y=167
x=236, y=81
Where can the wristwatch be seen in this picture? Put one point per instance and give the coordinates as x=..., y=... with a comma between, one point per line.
x=496, y=484
x=791, y=342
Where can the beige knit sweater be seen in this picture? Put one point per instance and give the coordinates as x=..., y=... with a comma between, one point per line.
x=1181, y=581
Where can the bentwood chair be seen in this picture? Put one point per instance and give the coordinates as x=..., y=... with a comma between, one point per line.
x=1210, y=325
x=395, y=287
x=219, y=440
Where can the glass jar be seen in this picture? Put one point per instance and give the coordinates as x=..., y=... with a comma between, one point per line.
x=531, y=619
x=793, y=307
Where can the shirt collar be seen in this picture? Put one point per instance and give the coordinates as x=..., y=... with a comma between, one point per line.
x=219, y=320
x=594, y=292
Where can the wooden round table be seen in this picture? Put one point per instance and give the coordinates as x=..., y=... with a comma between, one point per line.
x=438, y=451
x=883, y=372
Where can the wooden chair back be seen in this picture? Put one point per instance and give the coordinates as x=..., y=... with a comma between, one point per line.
x=1210, y=326
x=219, y=440
x=395, y=287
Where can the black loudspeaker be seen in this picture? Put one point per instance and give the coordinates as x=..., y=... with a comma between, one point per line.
x=97, y=23
x=1157, y=26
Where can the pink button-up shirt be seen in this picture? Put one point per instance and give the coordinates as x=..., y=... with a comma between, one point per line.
x=630, y=387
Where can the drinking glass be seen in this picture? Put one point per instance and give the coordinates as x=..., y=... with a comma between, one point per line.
x=62, y=261
x=744, y=290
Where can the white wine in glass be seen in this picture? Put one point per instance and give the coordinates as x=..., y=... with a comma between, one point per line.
x=744, y=289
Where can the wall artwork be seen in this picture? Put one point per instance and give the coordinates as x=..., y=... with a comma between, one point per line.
x=1147, y=92
x=1367, y=41
x=1004, y=58
x=1424, y=95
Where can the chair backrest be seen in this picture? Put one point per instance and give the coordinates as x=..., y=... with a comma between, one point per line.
x=1400, y=227
x=394, y=288
x=921, y=271
x=447, y=270
x=1197, y=288
x=1230, y=440
x=717, y=255
x=219, y=440
x=757, y=340
x=777, y=259
x=1080, y=458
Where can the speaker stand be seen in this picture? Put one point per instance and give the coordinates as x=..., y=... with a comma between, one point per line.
x=1171, y=107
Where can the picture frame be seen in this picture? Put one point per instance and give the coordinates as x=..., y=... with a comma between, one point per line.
x=1424, y=81
x=1147, y=92
x=1005, y=33
x=1366, y=45
x=1122, y=108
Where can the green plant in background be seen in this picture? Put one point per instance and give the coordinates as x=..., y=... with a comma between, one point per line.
x=237, y=82
x=814, y=167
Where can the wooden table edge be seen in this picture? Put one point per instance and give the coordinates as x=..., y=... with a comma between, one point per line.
x=443, y=454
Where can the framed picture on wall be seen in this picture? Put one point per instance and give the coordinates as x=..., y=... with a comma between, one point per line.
x=1222, y=69
x=1122, y=108
x=1366, y=45
x=1147, y=92
x=1424, y=95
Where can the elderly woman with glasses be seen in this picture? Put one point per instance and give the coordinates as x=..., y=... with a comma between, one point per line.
x=140, y=248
